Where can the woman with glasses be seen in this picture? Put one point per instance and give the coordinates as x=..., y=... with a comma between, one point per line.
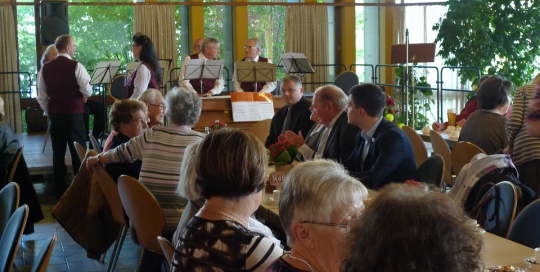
x=409, y=228
x=319, y=202
x=231, y=173
x=147, y=74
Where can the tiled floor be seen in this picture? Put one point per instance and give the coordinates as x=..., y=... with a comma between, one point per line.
x=67, y=254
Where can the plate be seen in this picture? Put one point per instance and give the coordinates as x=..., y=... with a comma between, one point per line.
x=504, y=268
x=531, y=260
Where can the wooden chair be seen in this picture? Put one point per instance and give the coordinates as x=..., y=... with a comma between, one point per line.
x=462, y=153
x=9, y=201
x=419, y=148
x=110, y=190
x=95, y=143
x=42, y=260
x=525, y=228
x=144, y=212
x=168, y=249
x=431, y=170
x=261, y=129
x=346, y=81
x=81, y=151
x=15, y=163
x=11, y=238
x=440, y=147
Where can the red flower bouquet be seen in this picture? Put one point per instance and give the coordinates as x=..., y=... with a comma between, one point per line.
x=218, y=125
x=282, y=152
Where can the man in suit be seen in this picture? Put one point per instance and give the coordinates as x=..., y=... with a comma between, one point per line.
x=338, y=138
x=63, y=89
x=252, y=50
x=209, y=51
x=295, y=115
x=383, y=154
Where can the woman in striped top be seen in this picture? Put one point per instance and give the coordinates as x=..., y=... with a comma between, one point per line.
x=524, y=149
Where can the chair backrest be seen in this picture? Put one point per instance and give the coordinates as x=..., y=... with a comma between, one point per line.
x=462, y=153
x=168, y=249
x=431, y=170
x=346, y=81
x=261, y=129
x=9, y=201
x=12, y=237
x=110, y=190
x=14, y=163
x=143, y=210
x=95, y=143
x=526, y=226
x=441, y=147
x=42, y=260
x=81, y=151
x=496, y=210
x=419, y=148
x=117, y=89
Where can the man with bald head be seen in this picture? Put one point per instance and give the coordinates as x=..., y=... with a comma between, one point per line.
x=197, y=45
x=62, y=91
x=252, y=50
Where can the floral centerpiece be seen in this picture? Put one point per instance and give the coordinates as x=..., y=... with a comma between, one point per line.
x=282, y=153
x=390, y=110
x=218, y=125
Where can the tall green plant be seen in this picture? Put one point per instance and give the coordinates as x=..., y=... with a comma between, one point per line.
x=420, y=98
x=500, y=37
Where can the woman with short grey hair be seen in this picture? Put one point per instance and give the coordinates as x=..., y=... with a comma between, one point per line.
x=319, y=201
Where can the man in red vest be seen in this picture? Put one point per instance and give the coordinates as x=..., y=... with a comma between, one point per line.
x=252, y=50
x=62, y=91
x=209, y=51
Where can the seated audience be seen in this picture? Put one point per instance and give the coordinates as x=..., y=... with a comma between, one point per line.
x=187, y=188
x=409, y=228
x=231, y=172
x=128, y=119
x=383, y=152
x=487, y=128
x=524, y=149
x=319, y=202
x=156, y=111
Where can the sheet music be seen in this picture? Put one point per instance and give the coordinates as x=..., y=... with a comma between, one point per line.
x=296, y=63
x=105, y=71
x=252, y=111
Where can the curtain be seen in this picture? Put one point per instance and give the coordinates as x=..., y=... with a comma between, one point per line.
x=158, y=23
x=306, y=31
x=9, y=83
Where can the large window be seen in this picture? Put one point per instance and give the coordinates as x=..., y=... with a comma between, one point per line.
x=218, y=24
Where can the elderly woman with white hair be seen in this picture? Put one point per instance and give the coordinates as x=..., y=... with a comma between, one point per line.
x=319, y=202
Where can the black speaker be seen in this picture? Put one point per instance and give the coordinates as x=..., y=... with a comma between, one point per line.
x=54, y=21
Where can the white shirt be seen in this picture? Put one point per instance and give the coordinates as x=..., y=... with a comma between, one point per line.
x=83, y=80
x=267, y=88
x=141, y=81
x=218, y=85
x=305, y=150
x=324, y=138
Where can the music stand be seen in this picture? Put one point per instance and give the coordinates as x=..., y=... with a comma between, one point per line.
x=104, y=73
x=203, y=69
x=407, y=53
x=296, y=63
x=249, y=71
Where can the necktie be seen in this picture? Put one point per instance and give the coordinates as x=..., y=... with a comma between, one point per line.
x=287, y=123
x=322, y=144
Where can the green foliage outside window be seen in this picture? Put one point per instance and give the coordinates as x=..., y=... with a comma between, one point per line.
x=499, y=37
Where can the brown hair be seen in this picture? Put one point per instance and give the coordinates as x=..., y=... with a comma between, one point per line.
x=62, y=42
x=494, y=92
x=407, y=228
x=230, y=164
x=122, y=112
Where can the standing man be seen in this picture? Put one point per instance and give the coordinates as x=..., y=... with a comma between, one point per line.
x=210, y=51
x=383, y=153
x=63, y=89
x=252, y=50
x=295, y=115
x=197, y=44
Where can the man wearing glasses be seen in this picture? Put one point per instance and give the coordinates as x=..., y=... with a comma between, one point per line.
x=63, y=89
x=252, y=50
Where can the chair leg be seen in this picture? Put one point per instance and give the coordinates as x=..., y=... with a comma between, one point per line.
x=119, y=245
x=102, y=259
x=140, y=261
x=46, y=137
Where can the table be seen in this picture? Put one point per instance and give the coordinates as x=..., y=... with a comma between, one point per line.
x=446, y=137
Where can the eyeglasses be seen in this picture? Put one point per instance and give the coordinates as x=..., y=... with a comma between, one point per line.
x=346, y=226
x=249, y=47
x=161, y=106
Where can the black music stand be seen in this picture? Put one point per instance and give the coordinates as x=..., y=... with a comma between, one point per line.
x=104, y=73
x=203, y=69
x=249, y=71
x=296, y=63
